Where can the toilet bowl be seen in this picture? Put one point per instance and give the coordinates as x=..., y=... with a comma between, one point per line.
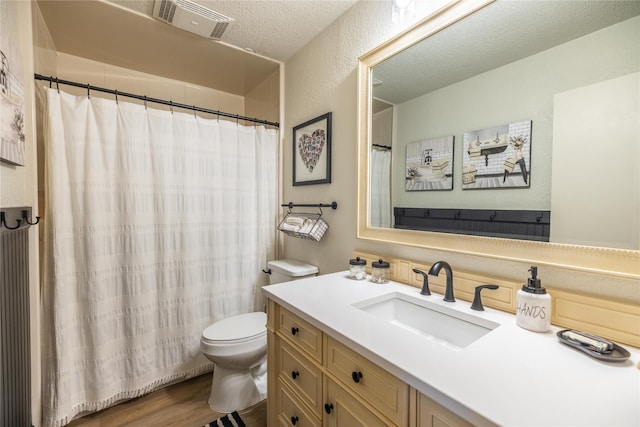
x=237, y=346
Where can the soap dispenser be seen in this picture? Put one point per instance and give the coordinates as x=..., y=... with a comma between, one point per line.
x=534, y=305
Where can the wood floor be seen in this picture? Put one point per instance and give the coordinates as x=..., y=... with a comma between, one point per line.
x=180, y=405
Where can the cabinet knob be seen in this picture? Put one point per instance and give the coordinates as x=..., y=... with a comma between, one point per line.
x=356, y=376
x=294, y=420
x=328, y=407
x=295, y=374
x=294, y=330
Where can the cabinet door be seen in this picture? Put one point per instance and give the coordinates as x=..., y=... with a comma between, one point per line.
x=432, y=414
x=383, y=391
x=301, y=333
x=301, y=375
x=343, y=410
x=291, y=412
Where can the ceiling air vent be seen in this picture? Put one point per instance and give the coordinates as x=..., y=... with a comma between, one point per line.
x=192, y=17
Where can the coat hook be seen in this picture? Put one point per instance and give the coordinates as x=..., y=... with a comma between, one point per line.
x=493, y=216
x=457, y=215
x=25, y=218
x=539, y=217
x=3, y=221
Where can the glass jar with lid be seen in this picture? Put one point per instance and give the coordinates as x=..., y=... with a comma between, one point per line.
x=380, y=271
x=357, y=268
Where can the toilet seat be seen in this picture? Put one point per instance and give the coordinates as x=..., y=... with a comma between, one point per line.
x=237, y=329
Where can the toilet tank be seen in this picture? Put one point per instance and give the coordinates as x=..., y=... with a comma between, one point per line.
x=284, y=270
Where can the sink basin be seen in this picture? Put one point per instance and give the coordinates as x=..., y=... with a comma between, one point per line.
x=444, y=325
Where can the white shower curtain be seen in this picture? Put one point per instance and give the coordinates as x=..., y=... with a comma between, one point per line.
x=157, y=225
x=380, y=190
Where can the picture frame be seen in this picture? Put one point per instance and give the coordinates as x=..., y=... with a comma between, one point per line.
x=312, y=151
x=429, y=164
x=497, y=157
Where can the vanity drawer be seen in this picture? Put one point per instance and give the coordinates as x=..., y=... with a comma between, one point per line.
x=300, y=332
x=381, y=389
x=291, y=412
x=304, y=378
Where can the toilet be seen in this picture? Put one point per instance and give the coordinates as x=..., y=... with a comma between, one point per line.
x=237, y=346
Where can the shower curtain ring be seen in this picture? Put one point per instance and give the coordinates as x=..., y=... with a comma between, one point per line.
x=88, y=90
x=50, y=81
x=116, y=96
x=145, y=102
x=171, y=106
x=57, y=85
x=194, y=112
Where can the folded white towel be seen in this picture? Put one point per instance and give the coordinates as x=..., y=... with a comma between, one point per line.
x=288, y=227
x=295, y=221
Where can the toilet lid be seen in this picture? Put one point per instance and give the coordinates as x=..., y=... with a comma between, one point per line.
x=237, y=328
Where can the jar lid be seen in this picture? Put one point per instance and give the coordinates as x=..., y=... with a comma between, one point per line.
x=357, y=261
x=380, y=264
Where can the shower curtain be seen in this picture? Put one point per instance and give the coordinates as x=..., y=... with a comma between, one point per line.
x=157, y=225
x=380, y=189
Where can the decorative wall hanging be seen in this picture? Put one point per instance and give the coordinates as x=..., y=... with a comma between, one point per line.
x=497, y=157
x=429, y=164
x=12, y=136
x=312, y=151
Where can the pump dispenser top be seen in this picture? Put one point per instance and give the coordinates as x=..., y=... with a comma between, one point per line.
x=534, y=285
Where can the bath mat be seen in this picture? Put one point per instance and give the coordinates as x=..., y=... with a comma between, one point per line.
x=230, y=420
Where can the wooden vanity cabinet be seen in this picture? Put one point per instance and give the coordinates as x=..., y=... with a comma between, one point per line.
x=315, y=380
x=431, y=414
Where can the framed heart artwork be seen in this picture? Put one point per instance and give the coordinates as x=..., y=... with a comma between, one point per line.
x=312, y=151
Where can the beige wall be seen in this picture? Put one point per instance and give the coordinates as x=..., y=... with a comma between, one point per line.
x=18, y=186
x=321, y=78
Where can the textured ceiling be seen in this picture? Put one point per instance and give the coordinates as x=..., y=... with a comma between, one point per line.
x=507, y=30
x=276, y=29
x=124, y=33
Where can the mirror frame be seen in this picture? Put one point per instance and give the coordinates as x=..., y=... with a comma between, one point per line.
x=608, y=261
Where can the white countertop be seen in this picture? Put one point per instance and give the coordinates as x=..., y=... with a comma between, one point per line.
x=510, y=377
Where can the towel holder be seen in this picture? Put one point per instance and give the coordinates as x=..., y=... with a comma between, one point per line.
x=308, y=226
x=291, y=205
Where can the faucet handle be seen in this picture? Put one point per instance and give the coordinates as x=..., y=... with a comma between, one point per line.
x=425, y=282
x=477, y=300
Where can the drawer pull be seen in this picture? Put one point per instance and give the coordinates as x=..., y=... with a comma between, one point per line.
x=328, y=407
x=294, y=420
x=295, y=374
x=356, y=376
x=294, y=330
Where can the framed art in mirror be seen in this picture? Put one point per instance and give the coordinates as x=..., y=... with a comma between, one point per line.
x=312, y=151
x=430, y=164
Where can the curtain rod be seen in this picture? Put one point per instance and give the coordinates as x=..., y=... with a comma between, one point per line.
x=154, y=100
x=382, y=146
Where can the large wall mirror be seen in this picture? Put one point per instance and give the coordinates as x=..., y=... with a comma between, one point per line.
x=539, y=100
